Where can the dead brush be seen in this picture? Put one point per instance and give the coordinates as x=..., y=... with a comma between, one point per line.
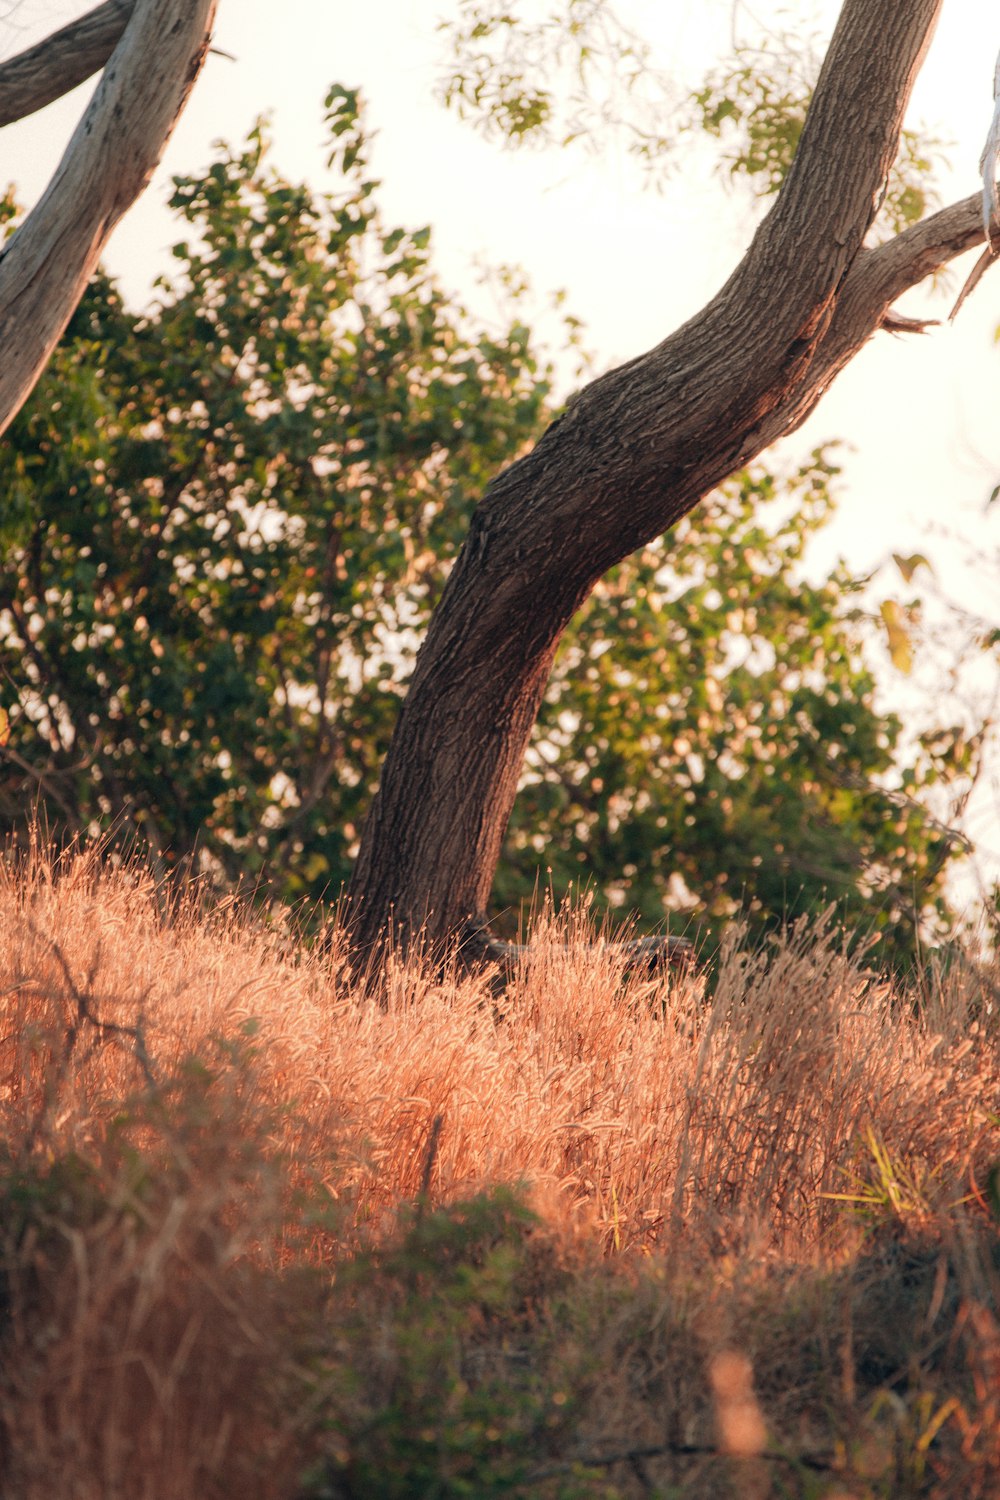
x=143, y=1325
x=203, y=1125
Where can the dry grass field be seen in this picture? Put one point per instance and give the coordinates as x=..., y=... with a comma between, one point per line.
x=265, y=1236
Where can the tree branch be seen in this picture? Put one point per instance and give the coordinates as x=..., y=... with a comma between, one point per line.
x=864, y=305
x=918, y=252
x=633, y=452
x=45, y=266
x=66, y=58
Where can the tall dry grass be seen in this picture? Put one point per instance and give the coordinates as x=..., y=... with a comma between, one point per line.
x=771, y=1174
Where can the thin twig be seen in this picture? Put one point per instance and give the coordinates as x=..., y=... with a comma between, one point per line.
x=973, y=279
x=85, y=1014
x=429, y=1159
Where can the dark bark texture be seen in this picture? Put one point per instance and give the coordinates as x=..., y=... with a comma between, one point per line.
x=635, y=451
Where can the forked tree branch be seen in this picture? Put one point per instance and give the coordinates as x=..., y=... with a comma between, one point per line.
x=66, y=58
x=864, y=304
x=633, y=452
x=46, y=264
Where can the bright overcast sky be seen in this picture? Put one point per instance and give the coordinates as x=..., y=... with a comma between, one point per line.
x=920, y=412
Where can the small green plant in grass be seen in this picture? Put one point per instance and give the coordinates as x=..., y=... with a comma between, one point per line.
x=36, y=1198
x=887, y=1184
x=444, y=1377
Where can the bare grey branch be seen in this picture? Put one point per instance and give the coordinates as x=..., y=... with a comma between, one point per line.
x=66, y=58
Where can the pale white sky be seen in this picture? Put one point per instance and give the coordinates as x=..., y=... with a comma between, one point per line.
x=920, y=413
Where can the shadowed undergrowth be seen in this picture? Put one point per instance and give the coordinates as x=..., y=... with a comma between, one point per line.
x=261, y=1236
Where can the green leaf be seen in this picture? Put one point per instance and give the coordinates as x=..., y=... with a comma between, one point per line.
x=909, y=565
x=900, y=645
x=266, y=479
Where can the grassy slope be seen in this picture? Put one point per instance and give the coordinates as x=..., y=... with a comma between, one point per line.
x=668, y=1246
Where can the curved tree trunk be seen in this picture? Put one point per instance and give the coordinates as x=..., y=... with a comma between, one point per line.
x=632, y=454
x=157, y=55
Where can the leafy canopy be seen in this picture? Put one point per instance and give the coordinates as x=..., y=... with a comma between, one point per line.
x=227, y=520
x=579, y=74
x=712, y=738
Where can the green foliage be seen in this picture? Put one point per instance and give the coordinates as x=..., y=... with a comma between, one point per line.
x=226, y=524
x=576, y=75
x=756, y=106
x=8, y=212
x=445, y=1403
x=571, y=75
x=580, y=74
x=712, y=727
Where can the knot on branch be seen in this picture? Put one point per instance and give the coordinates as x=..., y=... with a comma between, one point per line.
x=897, y=322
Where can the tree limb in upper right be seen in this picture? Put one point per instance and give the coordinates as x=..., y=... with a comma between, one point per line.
x=989, y=164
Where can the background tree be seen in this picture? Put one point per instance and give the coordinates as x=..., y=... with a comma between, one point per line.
x=225, y=521
x=712, y=742
x=634, y=452
x=577, y=77
x=228, y=520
